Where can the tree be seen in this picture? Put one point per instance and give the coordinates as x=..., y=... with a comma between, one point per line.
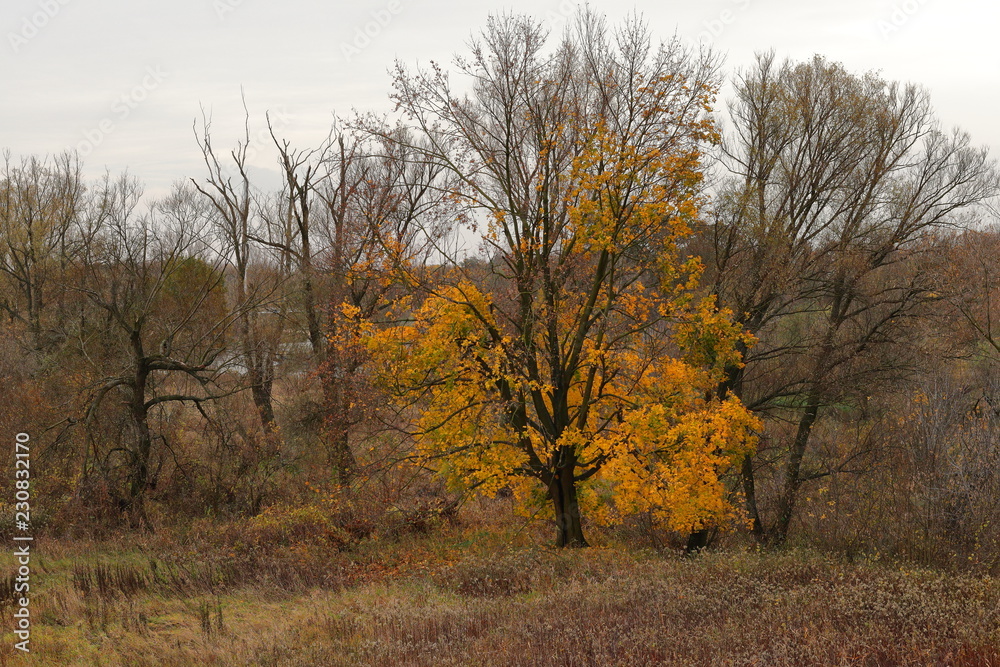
x=302, y=173
x=835, y=185
x=40, y=210
x=159, y=330
x=347, y=218
x=968, y=280
x=384, y=204
x=583, y=357
x=233, y=206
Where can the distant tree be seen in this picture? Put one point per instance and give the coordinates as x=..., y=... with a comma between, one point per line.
x=227, y=190
x=303, y=172
x=41, y=206
x=968, y=278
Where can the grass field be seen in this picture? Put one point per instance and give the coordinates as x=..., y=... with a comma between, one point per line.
x=459, y=595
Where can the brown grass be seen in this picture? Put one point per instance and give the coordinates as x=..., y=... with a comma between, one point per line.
x=464, y=596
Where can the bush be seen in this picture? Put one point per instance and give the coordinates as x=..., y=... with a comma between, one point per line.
x=280, y=528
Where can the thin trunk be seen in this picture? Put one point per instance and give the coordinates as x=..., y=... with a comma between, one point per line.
x=260, y=388
x=34, y=318
x=257, y=362
x=312, y=319
x=33, y=292
x=338, y=395
x=309, y=293
x=792, y=481
x=750, y=498
x=734, y=385
x=339, y=372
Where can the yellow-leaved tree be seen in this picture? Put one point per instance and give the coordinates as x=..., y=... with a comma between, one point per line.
x=577, y=358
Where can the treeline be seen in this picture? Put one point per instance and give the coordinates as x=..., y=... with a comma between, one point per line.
x=146, y=341
x=680, y=318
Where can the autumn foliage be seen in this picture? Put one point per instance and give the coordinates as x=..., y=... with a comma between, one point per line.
x=582, y=363
x=551, y=279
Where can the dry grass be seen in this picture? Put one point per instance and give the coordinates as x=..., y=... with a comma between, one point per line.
x=463, y=596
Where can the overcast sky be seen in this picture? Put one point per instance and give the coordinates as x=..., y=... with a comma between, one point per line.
x=123, y=80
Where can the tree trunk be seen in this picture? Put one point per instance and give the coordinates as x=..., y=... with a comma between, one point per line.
x=733, y=384
x=790, y=485
x=260, y=388
x=562, y=491
x=139, y=414
x=337, y=422
x=340, y=381
x=259, y=364
x=32, y=291
x=697, y=541
x=136, y=503
x=308, y=292
x=342, y=459
x=312, y=318
x=750, y=498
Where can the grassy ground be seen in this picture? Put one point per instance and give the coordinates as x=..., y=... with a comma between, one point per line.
x=465, y=596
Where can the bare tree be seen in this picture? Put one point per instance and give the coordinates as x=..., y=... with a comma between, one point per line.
x=233, y=205
x=303, y=175
x=835, y=183
x=385, y=206
x=158, y=332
